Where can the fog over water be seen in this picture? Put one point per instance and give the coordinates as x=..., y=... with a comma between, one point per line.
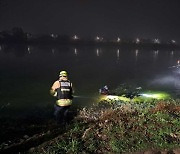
x=27, y=72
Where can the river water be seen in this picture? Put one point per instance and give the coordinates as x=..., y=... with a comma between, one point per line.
x=28, y=72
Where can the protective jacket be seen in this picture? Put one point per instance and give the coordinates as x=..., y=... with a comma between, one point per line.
x=65, y=90
x=64, y=93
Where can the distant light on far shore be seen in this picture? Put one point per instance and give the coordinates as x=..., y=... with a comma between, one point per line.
x=98, y=38
x=137, y=40
x=157, y=41
x=75, y=37
x=54, y=35
x=118, y=39
x=173, y=41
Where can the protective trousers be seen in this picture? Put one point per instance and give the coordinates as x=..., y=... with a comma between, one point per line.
x=61, y=113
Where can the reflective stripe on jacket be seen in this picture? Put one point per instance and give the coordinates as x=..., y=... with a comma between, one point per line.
x=64, y=102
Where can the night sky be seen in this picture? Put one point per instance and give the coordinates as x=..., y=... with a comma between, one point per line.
x=107, y=18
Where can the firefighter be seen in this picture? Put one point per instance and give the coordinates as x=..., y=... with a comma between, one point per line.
x=62, y=90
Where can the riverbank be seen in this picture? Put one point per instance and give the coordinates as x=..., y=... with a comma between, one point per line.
x=107, y=127
x=122, y=128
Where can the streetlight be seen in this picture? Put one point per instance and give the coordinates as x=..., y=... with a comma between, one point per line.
x=157, y=41
x=54, y=35
x=137, y=40
x=118, y=39
x=75, y=37
x=97, y=38
x=173, y=41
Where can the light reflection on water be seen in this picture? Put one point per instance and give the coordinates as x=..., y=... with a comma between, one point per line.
x=75, y=51
x=97, y=52
x=27, y=72
x=118, y=54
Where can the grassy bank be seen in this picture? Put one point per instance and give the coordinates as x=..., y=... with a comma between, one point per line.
x=123, y=128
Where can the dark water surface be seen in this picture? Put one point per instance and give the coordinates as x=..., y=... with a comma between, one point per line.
x=27, y=73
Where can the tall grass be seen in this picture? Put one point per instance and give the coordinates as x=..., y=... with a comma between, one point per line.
x=122, y=128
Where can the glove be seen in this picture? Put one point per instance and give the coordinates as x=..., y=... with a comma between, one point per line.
x=53, y=93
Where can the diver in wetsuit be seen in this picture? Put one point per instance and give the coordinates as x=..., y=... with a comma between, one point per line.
x=104, y=90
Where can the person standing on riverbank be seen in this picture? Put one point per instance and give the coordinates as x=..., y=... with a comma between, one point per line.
x=62, y=90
